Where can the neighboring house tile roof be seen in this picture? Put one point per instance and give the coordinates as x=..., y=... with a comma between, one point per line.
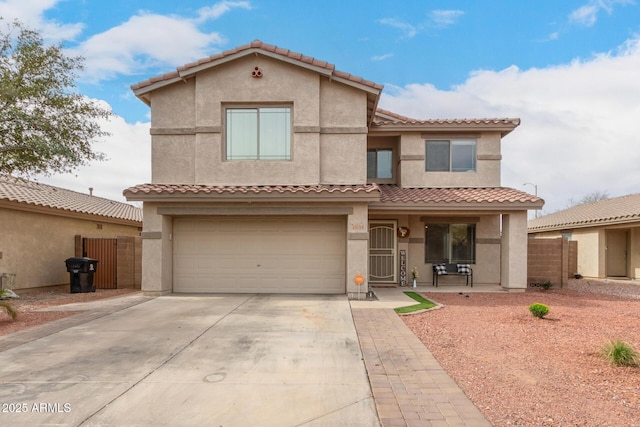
x=249, y=48
x=35, y=194
x=457, y=195
x=194, y=189
x=611, y=211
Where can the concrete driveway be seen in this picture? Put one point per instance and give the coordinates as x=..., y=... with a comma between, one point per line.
x=233, y=360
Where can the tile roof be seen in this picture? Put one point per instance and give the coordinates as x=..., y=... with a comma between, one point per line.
x=611, y=211
x=385, y=118
x=41, y=195
x=389, y=194
x=254, y=46
x=194, y=189
x=457, y=195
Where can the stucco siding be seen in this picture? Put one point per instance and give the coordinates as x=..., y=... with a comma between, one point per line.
x=588, y=252
x=342, y=105
x=173, y=159
x=232, y=83
x=412, y=165
x=343, y=159
x=634, y=252
x=34, y=246
x=174, y=106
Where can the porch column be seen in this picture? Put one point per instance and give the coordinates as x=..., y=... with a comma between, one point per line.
x=157, y=265
x=358, y=251
x=513, y=272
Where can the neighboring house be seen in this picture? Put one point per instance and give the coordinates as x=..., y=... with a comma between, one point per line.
x=274, y=172
x=39, y=224
x=607, y=232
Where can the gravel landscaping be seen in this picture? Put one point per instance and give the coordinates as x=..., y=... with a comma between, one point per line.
x=524, y=371
x=30, y=302
x=519, y=370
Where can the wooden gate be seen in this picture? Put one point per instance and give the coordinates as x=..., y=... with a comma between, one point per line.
x=105, y=251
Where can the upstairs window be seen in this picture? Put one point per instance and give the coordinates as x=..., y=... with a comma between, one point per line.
x=262, y=133
x=456, y=155
x=451, y=243
x=380, y=163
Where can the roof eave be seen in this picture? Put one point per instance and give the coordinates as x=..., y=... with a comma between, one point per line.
x=457, y=206
x=504, y=129
x=358, y=196
x=48, y=210
x=188, y=72
x=580, y=225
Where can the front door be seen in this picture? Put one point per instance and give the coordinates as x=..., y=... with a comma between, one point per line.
x=617, y=243
x=382, y=252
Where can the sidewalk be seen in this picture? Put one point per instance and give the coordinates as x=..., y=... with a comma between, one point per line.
x=409, y=386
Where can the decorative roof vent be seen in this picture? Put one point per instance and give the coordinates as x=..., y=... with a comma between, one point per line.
x=256, y=73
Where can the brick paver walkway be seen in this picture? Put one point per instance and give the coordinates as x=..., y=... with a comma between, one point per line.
x=409, y=386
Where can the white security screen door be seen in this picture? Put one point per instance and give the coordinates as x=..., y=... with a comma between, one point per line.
x=382, y=252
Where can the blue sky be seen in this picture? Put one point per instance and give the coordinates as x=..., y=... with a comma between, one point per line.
x=567, y=68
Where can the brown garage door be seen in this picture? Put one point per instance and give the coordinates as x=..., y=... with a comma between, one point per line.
x=259, y=255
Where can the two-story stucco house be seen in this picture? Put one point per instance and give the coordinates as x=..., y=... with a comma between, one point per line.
x=273, y=172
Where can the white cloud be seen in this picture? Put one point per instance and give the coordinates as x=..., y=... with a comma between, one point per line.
x=407, y=29
x=128, y=150
x=439, y=18
x=31, y=13
x=382, y=57
x=219, y=9
x=445, y=18
x=579, y=122
x=145, y=40
x=587, y=14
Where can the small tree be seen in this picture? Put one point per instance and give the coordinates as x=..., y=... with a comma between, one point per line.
x=45, y=126
x=595, y=196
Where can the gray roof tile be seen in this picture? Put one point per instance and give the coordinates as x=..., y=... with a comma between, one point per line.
x=611, y=211
x=37, y=194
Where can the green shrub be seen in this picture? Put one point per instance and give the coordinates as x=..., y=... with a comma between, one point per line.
x=546, y=285
x=539, y=310
x=621, y=353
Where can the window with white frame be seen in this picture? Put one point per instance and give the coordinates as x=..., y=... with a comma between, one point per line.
x=380, y=163
x=258, y=133
x=451, y=243
x=455, y=155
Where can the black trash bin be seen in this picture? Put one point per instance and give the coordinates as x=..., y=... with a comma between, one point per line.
x=81, y=274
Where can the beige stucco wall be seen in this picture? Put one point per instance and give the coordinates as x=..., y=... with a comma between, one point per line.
x=589, y=252
x=513, y=265
x=412, y=163
x=634, y=252
x=35, y=245
x=328, y=121
x=357, y=250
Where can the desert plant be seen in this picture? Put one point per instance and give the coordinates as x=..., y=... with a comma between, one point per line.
x=7, y=306
x=539, y=310
x=621, y=353
x=546, y=285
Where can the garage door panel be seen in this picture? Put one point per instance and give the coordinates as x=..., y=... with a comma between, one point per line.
x=260, y=255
